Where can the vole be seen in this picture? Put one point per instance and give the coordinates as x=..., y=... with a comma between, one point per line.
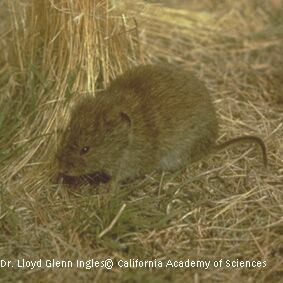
x=152, y=117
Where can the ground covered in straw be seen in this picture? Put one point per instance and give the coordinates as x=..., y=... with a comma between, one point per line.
x=226, y=207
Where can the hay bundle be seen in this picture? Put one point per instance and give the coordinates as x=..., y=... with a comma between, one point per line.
x=55, y=50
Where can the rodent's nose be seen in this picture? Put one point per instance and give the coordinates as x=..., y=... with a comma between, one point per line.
x=60, y=164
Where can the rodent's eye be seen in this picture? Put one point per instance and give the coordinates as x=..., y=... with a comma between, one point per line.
x=84, y=150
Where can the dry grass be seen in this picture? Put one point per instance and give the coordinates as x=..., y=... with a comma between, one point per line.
x=225, y=207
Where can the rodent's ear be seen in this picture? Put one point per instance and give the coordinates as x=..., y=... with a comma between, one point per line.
x=116, y=121
x=125, y=118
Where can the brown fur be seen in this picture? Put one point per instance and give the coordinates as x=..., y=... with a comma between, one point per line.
x=150, y=118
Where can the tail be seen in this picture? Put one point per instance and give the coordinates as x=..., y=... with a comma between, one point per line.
x=246, y=139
